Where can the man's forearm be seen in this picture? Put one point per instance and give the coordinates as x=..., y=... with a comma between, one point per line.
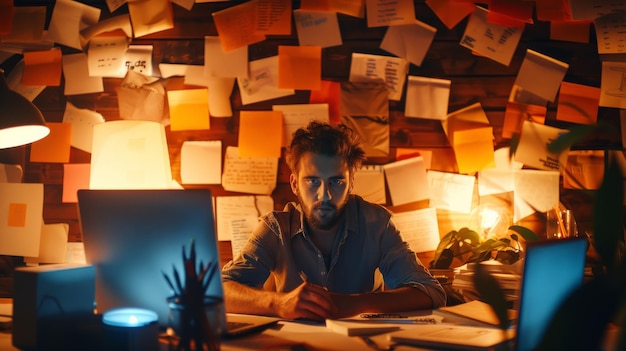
x=239, y=298
x=398, y=300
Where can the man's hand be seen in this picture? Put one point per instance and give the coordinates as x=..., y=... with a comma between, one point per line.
x=307, y=301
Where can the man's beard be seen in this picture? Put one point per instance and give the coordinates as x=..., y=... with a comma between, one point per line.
x=317, y=222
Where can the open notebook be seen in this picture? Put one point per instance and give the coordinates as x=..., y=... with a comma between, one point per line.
x=552, y=270
x=132, y=236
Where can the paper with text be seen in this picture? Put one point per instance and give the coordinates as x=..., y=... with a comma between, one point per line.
x=21, y=213
x=75, y=177
x=260, y=133
x=582, y=10
x=409, y=41
x=105, y=56
x=389, y=13
x=451, y=191
x=407, y=181
x=298, y=116
x=419, y=228
x=254, y=175
x=238, y=216
x=317, y=28
x=532, y=149
x=377, y=68
x=82, y=121
x=494, y=41
x=274, y=17
x=611, y=33
x=237, y=26
x=427, y=98
x=535, y=191
x=369, y=183
x=201, y=162
x=263, y=82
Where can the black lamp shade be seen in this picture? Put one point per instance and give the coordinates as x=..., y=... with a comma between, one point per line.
x=20, y=121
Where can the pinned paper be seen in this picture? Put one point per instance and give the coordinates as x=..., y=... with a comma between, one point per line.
x=613, y=85
x=532, y=149
x=299, y=67
x=298, y=116
x=376, y=68
x=409, y=41
x=550, y=70
x=236, y=26
x=499, y=179
x=260, y=133
x=535, y=191
x=328, y=94
x=54, y=148
x=82, y=121
x=369, y=183
x=220, y=63
x=189, y=109
x=137, y=58
x=347, y=7
x=150, y=16
x=105, y=56
x=274, y=17
x=254, y=175
x=578, y=103
x=515, y=115
x=52, y=245
x=404, y=153
x=317, y=28
x=584, y=169
x=589, y=10
x=21, y=213
x=201, y=162
x=451, y=191
x=76, y=74
x=238, y=216
x=42, y=68
x=451, y=12
x=117, y=26
x=263, y=82
x=141, y=97
x=610, y=33
x=389, y=13
x=418, y=228
x=28, y=24
x=577, y=32
x=407, y=181
x=219, y=96
x=75, y=177
x=427, y=98
x=68, y=19
x=494, y=41
x=471, y=136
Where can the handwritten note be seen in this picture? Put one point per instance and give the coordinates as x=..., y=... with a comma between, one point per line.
x=377, y=68
x=419, y=228
x=106, y=56
x=274, y=17
x=388, y=13
x=255, y=175
x=317, y=28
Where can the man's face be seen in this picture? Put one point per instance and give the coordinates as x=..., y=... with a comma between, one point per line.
x=322, y=184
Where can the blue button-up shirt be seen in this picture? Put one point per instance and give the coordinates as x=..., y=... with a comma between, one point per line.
x=368, y=242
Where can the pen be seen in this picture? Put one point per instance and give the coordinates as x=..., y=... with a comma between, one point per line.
x=303, y=276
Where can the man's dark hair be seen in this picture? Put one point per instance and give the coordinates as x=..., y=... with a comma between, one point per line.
x=328, y=140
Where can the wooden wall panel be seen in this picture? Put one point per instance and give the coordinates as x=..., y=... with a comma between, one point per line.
x=474, y=79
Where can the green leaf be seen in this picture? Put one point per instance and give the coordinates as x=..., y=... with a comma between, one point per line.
x=526, y=233
x=575, y=134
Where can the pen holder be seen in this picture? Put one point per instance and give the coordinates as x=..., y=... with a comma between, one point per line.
x=193, y=327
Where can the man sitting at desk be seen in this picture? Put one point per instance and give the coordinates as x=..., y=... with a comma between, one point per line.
x=323, y=253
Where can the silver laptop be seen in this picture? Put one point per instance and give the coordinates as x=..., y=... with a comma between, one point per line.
x=132, y=236
x=553, y=269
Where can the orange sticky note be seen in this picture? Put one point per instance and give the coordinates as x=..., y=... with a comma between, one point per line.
x=300, y=67
x=75, y=177
x=515, y=115
x=55, y=147
x=17, y=215
x=260, y=133
x=473, y=149
x=236, y=26
x=451, y=12
x=189, y=109
x=520, y=10
x=6, y=16
x=274, y=17
x=316, y=5
x=328, y=93
x=578, y=103
x=42, y=68
x=577, y=32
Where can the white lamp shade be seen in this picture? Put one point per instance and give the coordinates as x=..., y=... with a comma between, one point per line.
x=128, y=154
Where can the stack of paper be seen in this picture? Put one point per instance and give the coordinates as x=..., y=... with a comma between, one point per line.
x=476, y=313
x=508, y=279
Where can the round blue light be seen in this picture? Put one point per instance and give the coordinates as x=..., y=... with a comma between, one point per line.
x=129, y=317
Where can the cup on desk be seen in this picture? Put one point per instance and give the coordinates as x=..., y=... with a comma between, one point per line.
x=189, y=323
x=131, y=329
x=560, y=224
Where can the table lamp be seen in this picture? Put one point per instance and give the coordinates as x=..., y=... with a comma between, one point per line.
x=20, y=121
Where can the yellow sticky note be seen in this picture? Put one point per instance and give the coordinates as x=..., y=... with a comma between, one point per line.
x=236, y=26
x=42, y=68
x=17, y=215
x=189, y=109
x=55, y=147
x=260, y=133
x=300, y=67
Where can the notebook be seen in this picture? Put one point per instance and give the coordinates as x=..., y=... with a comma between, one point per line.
x=132, y=236
x=552, y=270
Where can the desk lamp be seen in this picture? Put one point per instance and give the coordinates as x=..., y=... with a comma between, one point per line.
x=21, y=122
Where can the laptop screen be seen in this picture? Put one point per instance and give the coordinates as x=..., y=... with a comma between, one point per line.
x=552, y=270
x=132, y=237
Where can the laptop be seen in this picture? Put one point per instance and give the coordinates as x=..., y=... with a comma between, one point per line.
x=553, y=269
x=132, y=237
